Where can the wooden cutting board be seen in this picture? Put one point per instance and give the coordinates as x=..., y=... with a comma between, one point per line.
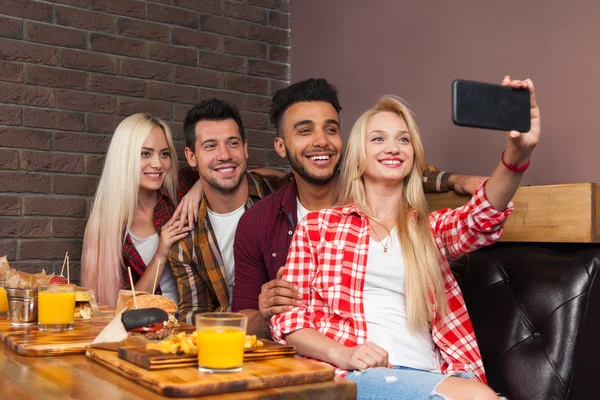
x=189, y=382
x=153, y=359
x=29, y=341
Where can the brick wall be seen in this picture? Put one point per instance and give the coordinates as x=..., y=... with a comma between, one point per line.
x=71, y=70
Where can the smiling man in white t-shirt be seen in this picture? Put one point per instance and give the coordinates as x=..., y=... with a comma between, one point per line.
x=203, y=261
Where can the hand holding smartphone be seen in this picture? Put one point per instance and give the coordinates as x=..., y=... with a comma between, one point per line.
x=490, y=106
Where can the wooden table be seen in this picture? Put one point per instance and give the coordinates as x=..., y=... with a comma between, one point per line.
x=76, y=376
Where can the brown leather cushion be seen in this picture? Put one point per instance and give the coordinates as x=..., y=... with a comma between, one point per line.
x=536, y=313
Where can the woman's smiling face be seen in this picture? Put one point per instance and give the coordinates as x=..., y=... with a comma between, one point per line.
x=155, y=160
x=388, y=148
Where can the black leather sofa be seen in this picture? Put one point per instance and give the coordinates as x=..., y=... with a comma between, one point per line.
x=536, y=313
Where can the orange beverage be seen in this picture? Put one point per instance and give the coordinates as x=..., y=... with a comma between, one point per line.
x=56, y=307
x=3, y=301
x=220, y=347
x=220, y=341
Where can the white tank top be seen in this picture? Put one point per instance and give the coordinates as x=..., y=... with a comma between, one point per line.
x=147, y=247
x=385, y=309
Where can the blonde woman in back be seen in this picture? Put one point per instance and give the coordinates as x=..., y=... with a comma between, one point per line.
x=130, y=223
x=379, y=301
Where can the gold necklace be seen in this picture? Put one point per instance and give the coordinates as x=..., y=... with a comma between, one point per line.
x=389, y=236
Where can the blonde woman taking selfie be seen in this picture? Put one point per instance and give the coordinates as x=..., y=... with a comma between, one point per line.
x=379, y=301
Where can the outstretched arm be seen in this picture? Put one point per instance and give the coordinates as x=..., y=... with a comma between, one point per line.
x=479, y=222
x=436, y=181
x=503, y=183
x=464, y=184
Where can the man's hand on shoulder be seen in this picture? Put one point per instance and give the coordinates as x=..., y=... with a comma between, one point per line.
x=277, y=296
x=465, y=184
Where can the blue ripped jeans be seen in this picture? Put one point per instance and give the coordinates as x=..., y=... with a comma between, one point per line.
x=400, y=383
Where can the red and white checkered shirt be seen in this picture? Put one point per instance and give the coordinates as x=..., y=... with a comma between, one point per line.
x=327, y=260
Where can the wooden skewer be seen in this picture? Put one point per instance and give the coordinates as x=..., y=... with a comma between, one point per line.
x=132, y=287
x=155, y=278
x=64, y=262
x=68, y=276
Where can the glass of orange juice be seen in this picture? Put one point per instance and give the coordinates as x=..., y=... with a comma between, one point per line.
x=3, y=300
x=220, y=341
x=56, y=307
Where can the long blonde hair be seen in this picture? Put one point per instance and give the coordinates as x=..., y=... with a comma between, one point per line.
x=423, y=269
x=115, y=204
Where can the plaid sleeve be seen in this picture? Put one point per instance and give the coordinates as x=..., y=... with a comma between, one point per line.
x=300, y=270
x=434, y=180
x=456, y=330
x=250, y=270
x=191, y=287
x=187, y=177
x=131, y=258
x=470, y=227
x=263, y=184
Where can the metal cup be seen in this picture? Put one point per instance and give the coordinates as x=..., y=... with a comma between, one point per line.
x=22, y=306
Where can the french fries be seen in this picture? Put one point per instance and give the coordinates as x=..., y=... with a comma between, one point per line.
x=186, y=344
x=180, y=343
x=251, y=342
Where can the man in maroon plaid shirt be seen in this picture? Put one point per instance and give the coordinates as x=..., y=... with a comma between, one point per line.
x=306, y=116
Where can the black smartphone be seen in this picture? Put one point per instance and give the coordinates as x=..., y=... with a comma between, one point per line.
x=490, y=106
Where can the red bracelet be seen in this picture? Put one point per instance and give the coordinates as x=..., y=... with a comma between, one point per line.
x=514, y=168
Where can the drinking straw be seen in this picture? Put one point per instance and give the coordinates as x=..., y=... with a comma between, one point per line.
x=64, y=262
x=132, y=287
x=155, y=278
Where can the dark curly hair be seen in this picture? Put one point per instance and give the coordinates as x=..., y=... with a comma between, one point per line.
x=210, y=110
x=308, y=90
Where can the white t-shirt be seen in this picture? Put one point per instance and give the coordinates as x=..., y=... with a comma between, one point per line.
x=302, y=211
x=147, y=247
x=224, y=226
x=385, y=309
